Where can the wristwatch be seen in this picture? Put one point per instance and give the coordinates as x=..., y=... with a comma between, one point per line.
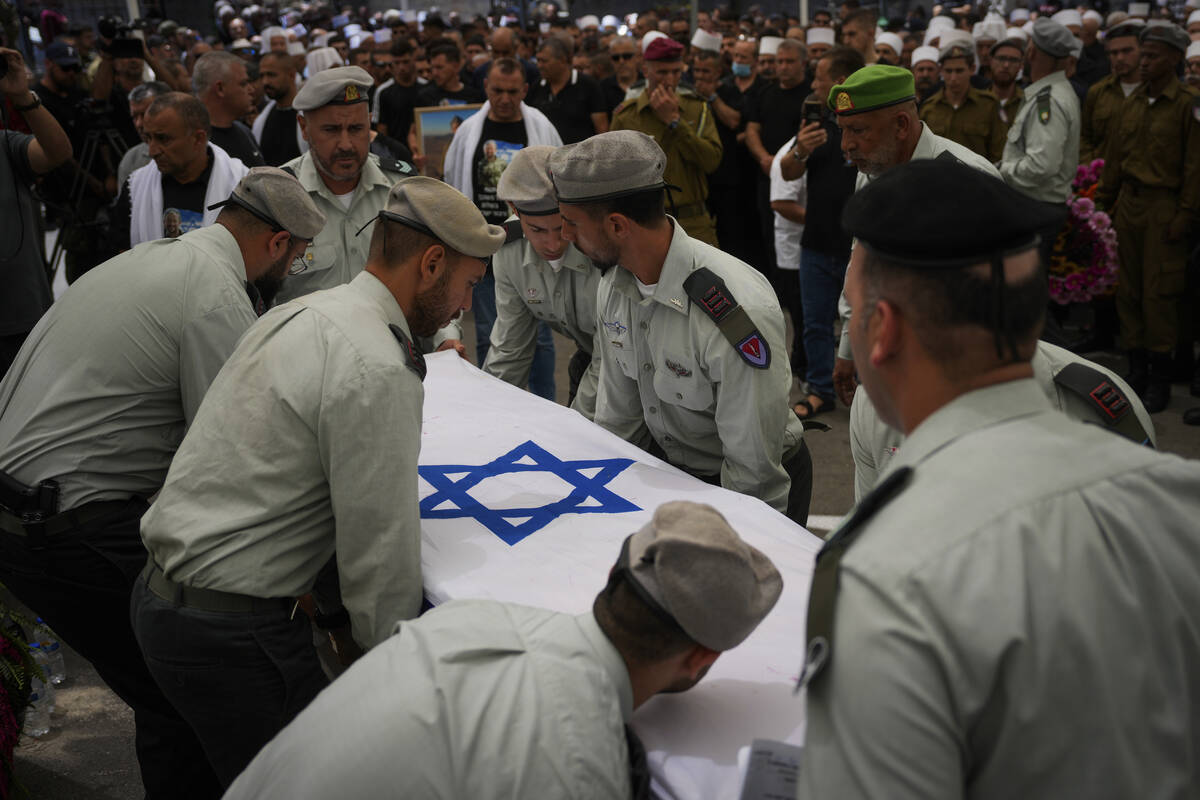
x=37, y=102
x=712, y=98
x=673, y=124
x=796, y=155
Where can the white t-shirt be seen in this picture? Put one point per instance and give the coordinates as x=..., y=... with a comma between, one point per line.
x=787, y=233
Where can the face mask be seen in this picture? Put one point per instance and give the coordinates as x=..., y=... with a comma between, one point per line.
x=741, y=70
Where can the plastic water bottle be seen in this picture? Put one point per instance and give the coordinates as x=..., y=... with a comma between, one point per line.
x=57, y=669
x=47, y=693
x=37, y=715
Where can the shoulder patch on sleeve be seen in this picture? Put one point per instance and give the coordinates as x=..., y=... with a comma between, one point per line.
x=416, y=361
x=712, y=296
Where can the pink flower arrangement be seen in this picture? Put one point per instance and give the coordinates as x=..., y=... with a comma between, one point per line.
x=1084, y=263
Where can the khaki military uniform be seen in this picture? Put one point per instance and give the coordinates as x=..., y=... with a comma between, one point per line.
x=530, y=290
x=668, y=373
x=101, y=393
x=693, y=149
x=419, y=716
x=336, y=255
x=1018, y=620
x=1101, y=116
x=975, y=124
x=282, y=465
x=874, y=443
x=1152, y=175
x=1010, y=107
x=1042, y=148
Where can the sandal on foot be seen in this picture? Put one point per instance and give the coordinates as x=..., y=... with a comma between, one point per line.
x=810, y=410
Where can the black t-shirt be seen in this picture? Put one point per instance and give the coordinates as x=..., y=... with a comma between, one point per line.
x=830, y=184
x=570, y=111
x=396, y=104
x=779, y=112
x=183, y=207
x=238, y=141
x=431, y=95
x=498, y=142
x=728, y=172
x=279, y=144
x=614, y=95
x=66, y=110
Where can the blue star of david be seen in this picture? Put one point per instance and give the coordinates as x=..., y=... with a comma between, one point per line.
x=498, y=521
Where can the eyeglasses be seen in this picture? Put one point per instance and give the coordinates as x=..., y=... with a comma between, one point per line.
x=300, y=262
x=622, y=56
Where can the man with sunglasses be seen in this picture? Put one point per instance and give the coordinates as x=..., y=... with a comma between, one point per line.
x=483, y=699
x=91, y=414
x=299, y=475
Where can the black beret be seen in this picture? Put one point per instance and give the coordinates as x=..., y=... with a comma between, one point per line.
x=941, y=214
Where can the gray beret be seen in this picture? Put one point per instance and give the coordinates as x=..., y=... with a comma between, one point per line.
x=526, y=182
x=443, y=212
x=607, y=165
x=278, y=199
x=717, y=587
x=1169, y=34
x=1052, y=38
x=339, y=86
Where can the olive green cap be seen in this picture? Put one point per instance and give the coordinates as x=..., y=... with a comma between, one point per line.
x=871, y=88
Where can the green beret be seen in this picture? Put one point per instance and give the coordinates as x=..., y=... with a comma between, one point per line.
x=876, y=86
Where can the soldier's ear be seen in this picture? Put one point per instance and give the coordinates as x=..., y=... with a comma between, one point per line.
x=433, y=262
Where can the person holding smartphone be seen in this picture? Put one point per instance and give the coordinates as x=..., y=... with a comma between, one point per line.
x=816, y=151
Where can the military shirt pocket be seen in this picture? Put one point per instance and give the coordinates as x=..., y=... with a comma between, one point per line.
x=319, y=256
x=677, y=382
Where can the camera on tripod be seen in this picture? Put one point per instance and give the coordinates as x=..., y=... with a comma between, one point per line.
x=125, y=39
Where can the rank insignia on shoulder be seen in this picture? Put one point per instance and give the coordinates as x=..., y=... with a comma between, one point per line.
x=416, y=361
x=1043, y=106
x=513, y=232
x=711, y=294
x=679, y=369
x=395, y=165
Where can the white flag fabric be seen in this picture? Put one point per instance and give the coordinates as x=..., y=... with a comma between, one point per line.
x=525, y=501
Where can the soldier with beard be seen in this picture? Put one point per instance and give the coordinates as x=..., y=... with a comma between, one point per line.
x=91, y=414
x=281, y=471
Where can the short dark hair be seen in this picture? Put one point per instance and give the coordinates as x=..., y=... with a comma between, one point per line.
x=392, y=243
x=447, y=50
x=189, y=108
x=956, y=298
x=863, y=16
x=284, y=59
x=638, y=633
x=644, y=208
x=475, y=39
x=401, y=47
x=557, y=47
x=843, y=62
x=508, y=66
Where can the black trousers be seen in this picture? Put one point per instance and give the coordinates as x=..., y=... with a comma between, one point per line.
x=237, y=678
x=80, y=584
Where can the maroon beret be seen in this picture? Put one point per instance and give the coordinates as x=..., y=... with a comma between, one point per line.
x=663, y=49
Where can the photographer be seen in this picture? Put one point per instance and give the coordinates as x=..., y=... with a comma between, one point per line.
x=24, y=288
x=123, y=59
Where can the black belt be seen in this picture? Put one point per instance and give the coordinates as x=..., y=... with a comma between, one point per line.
x=210, y=599
x=35, y=525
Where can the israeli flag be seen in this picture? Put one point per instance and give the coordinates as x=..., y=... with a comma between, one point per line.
x=525, y=501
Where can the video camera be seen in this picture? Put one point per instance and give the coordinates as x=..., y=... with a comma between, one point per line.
x=124, y=39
